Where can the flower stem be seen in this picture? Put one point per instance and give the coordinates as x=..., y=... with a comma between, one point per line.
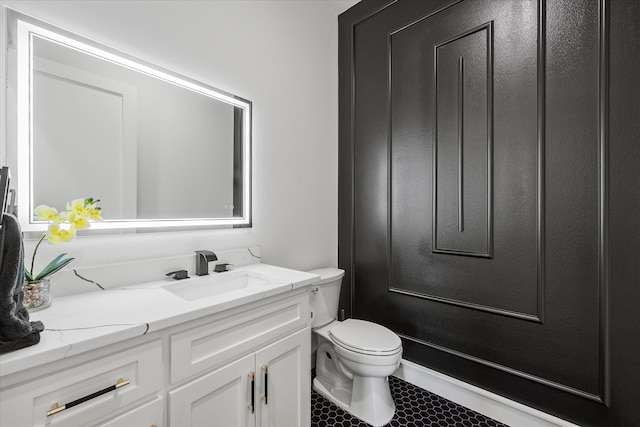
x=33, y=258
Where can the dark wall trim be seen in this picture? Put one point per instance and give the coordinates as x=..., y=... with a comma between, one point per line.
x=603, y=223
x=548, y=383
x=542, y=85
x=461, y=144
x=488, y=27
x=469, y=305
x=538, y=317
x=346, y=157
x=427, y=16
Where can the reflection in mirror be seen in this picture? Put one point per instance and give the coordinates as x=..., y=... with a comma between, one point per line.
x=157, y=148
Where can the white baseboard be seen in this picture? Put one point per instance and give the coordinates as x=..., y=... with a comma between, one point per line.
x=477, y=399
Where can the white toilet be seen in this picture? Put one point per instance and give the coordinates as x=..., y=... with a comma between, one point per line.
x=354, y=357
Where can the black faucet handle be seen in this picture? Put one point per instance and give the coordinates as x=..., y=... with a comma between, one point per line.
x=179, y=274
x=221, y=268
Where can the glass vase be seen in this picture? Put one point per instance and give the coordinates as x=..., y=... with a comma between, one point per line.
x=37, y=295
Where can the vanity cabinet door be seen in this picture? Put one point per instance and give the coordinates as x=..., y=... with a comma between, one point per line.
x=281, y=390
x=221, y=398
x=284, y=383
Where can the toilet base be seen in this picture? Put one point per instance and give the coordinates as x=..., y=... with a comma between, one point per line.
x=368, y=398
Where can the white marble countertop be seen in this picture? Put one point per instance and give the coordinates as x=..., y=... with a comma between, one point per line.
x=79, y=323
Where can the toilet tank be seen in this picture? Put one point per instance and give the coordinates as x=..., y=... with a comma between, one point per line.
x=325, y=296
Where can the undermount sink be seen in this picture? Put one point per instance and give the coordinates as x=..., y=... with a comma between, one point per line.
x=207, y=286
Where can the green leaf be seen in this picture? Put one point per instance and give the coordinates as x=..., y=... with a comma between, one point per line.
x=57, y=264
x=27, y=275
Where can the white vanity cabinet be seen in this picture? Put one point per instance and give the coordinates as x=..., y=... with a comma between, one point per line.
x=244, y=374
x=200, y=370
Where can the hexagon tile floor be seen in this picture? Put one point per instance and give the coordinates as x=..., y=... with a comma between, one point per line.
x=415, y=407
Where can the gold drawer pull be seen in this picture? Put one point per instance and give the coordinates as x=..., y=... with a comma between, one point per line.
x=55, y=408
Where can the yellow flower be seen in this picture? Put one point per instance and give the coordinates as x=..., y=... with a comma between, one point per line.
x=78, y=207
x=77, y=215
x=47, y=213
x=80, y=211
x=77, y=221
x=56, y=234
x=95, y=213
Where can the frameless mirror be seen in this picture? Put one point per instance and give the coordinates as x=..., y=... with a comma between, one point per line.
x=157, y=148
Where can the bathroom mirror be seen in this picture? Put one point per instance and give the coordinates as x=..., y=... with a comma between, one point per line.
x=157, y=148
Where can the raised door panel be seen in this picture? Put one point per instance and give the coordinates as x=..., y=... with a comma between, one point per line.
x=284, y=382
x=220, y=398
x=462, y=144
x=463, y=162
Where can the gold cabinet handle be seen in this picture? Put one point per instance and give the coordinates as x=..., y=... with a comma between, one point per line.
x=55, y=408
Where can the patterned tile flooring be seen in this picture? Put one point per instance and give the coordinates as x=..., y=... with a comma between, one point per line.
x=415, y=407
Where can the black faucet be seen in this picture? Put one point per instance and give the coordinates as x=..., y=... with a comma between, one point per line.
x=203, y=258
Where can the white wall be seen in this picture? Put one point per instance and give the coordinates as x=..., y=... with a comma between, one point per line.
x=282, y=55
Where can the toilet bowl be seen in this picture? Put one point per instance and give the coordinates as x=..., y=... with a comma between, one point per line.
x=354, y=357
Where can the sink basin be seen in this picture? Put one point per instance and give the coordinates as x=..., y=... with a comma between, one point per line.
x=212, y=285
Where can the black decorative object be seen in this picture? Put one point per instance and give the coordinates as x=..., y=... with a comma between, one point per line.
x=16, y=331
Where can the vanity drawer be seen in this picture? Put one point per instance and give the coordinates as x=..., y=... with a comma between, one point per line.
x=149, y=414
x=32, y=403
x=204, y=347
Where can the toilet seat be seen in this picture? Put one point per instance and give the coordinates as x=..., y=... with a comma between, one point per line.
x=367, y=338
